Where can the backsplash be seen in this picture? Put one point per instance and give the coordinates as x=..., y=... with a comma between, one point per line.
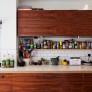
x=6, y=52
x=64, y=54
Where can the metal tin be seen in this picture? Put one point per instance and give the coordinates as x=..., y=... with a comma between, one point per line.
x=11, y=63
x=3, y=63
x=7, y=63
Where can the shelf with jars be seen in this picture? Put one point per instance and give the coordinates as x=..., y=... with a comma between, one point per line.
x=27, y=44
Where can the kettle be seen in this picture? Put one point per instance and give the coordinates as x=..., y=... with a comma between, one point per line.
x=55, y=61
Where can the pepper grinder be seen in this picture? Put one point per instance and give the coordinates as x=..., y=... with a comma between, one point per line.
x=89, y=55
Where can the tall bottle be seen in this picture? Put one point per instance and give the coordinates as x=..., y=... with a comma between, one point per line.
x=61, y=45
x=8, y=60
x=3, y=61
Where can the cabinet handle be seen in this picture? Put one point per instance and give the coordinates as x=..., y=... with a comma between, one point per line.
x=45, y=77
x=2, y=76
x=40, y=77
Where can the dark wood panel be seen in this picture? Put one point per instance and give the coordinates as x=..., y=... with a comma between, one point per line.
x=74, y=87
x=82, y=15
x=66, y=15
x=29, y=90
x=73, y=77
x=6, y=82
x=88, y=77
x=36, y=82
x=33, y=77
x=88, y=87
x=37, y=90
x=54, y=23
x=38, y=15
x=6, y=77
x=6, y=86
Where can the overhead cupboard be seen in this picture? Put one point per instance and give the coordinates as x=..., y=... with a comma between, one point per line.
x=54, y=22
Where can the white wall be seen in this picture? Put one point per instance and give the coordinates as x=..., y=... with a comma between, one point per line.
x=8, y=30
x=58, y=4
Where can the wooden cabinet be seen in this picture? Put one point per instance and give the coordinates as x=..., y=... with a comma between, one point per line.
x=73, y=82
x=6, y=82
x=46, y=82
x=54, y=23
x=37, y=23
x=88, y=82
x=38, y=82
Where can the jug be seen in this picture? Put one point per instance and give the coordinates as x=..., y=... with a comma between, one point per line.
x=55, y=61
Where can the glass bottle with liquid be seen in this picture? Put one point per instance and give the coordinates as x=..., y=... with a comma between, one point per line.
x=3, y=62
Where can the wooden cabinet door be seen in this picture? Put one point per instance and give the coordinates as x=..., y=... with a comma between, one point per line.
x=38, y=82
x=26, y=82
x=84, y=21
x=67, y=25
x=6, y=82
x=54, y=23
x=73, y=82
x=87, y=82
x=37, y=23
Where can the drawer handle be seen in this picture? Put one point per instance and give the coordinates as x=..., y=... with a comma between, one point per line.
x=2, y=76
x=39, y=77
x=45, y=77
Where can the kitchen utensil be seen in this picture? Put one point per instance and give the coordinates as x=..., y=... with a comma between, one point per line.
x=55, y=61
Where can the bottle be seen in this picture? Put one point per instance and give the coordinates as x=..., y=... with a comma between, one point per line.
x=58, y=45
x=61, y=45
x=80, y=45
x=48, y=43
x=12, y=61
x=34, y=45
x=51, y=45
x=42, y=45
x=38, y=44
x=70, y=45
x=8, y=61
x=75, y=45
x=89, y=45
x=4, y=62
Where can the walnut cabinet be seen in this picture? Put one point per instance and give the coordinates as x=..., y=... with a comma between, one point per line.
x=54, y=22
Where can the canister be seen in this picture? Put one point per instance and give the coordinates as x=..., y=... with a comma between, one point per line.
x=7, y=62
x=11, y=63
x=3, y=63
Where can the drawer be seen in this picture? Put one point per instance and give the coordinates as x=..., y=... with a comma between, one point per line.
x=73, y=77
x=74, y=87
x=29, y=90
x=46, y=77
x=28, y=77
x=88, y=77
x=6, y=86
x=87, y=87
x=6, y=77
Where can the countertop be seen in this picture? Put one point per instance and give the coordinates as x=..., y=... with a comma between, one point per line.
x=48, y=69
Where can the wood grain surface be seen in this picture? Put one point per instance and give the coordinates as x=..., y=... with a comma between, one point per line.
x=54, y=23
